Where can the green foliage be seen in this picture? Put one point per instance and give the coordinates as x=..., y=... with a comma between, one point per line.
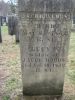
x=6, y=98
x=11, y=84
x=71, y=68
x=4, y=29
x=72, y=62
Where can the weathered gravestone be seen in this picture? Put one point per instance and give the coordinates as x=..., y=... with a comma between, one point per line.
x=0, y=35
x=44, y=40
x=13, y=27
x=0, y=32
x=16, y=30
x=1, y=20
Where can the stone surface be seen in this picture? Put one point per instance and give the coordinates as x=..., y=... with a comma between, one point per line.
x=0, y=35
x=13, y=27
x=45, y=31
x=16, y=30
x=45, y=5
x=44, y=98
x=0, y=32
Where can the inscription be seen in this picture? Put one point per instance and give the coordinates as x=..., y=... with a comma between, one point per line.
x=45, y=41
x=48, y=16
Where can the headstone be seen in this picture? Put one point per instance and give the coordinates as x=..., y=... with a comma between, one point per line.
x=0, y=32
x=0, y=35
x=16, y=30
x=44, y=40
x=11, y=25
x=17, y=36
x=1, y=20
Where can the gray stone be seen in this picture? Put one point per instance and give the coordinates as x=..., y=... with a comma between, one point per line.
x=0, y=36
x=44, y=98
x=0, y=32
x=44, y=40
x=16, y=30
x=13, y=27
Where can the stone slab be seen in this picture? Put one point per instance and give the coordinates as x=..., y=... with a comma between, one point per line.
x=44, y=42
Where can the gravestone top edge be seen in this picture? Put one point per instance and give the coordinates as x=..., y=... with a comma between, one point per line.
x=45, y=5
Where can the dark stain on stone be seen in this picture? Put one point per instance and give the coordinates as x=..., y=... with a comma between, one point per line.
x=43, y=88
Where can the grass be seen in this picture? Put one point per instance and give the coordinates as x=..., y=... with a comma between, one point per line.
x=71, y=68
x=72, y=47
x=6, y=98
x=10, y=53
x=4, y=29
